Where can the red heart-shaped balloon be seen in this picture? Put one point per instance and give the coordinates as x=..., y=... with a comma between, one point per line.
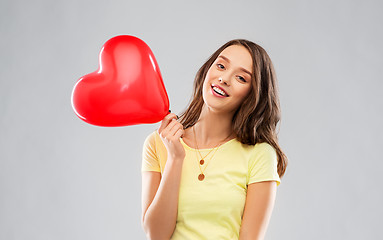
x=126, y=89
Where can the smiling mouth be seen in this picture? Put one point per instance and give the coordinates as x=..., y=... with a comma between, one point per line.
x=219, y=91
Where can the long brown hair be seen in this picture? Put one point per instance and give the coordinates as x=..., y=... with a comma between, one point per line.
x=256, y=118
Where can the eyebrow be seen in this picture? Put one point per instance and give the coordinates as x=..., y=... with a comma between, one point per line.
x=227, y=60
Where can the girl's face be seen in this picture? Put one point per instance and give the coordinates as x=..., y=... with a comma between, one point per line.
x=228, y=80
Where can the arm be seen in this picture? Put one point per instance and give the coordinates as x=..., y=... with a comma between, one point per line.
x=258, y=209
x=160, y=200
x=160, y=193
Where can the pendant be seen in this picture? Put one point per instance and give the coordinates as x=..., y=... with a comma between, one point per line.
x=202, y=162
x=201, y=177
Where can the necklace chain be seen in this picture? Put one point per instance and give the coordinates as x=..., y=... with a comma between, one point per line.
x=201, y=176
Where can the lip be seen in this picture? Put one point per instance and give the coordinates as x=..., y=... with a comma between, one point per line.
x=216, y=94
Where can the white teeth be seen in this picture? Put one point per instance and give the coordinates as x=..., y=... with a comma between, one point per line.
x=219, y=91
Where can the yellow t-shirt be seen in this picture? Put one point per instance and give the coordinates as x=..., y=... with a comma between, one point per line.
x=213, y=208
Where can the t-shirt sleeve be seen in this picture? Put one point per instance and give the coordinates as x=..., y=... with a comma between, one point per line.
x=150, y=161
x=263, y=164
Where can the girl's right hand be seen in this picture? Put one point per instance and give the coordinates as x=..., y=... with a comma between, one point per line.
x=170, y=132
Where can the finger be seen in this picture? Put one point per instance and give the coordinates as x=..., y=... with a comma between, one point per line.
x=166, y=131
x=179, y=133
x=166, y=121
x=175, y=128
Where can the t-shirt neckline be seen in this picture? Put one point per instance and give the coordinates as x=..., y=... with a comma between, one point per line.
x=204, y=149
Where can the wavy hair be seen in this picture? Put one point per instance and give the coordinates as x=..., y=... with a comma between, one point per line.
x=256, y=119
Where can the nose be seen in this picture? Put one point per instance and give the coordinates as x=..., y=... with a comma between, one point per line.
x=223, y=80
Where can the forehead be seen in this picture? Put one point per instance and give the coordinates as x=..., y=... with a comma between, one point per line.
x=239, y=56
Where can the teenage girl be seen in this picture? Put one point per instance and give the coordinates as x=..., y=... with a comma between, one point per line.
x=213, y=172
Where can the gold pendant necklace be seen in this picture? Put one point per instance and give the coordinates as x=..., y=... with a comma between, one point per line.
x=201, y=176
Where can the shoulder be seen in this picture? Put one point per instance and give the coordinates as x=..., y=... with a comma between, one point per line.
x=258, y=148
x=263, y=164
x=263, y=152
x=150, y=139
x=264, y=147
x=153, y=140
x=153, y=137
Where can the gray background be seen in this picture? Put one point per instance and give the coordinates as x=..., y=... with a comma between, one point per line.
x=61, y=178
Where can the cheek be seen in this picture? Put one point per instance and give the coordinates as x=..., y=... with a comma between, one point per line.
x=209, y=74
x=205, y=87
x=213, y=73
x=206, y=83
x=243, y=92
x=247, y=91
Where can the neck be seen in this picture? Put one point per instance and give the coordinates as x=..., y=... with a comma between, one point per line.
x=213, y=127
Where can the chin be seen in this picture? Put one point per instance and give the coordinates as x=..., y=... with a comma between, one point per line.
x=216, y=107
